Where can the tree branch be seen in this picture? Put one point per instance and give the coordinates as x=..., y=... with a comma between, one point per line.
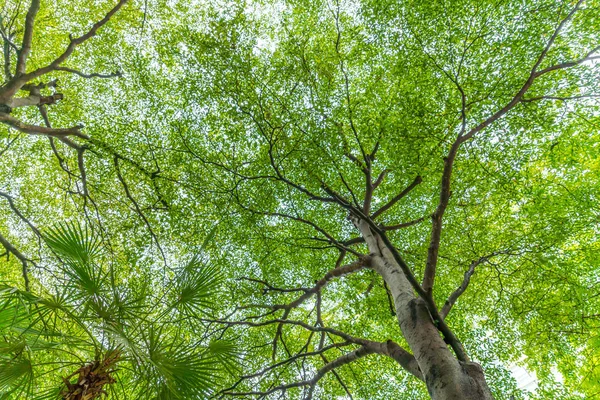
x=137, y=207
x=18, y=213
x=338, y=272
x=15, y=84
x=23, y=53
x=391, y=203
x=41, y=130
x=311, y=383
x=24, y=260
x=558, y=98
x=465, y=283
x=403, y=225
x=89, y=76
x=445, y=193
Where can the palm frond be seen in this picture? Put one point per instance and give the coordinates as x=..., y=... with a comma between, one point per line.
x=14, y=372
x=184, y=372
x=72, y=241
x=226, y=354
x=78, y=247
x=197, y=284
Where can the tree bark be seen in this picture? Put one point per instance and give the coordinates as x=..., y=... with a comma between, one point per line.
x=446, y=377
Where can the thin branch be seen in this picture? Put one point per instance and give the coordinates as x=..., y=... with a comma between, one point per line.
x=12, y=206
x=89, y=76
x=81, y=165
x=465, y=283
x=337, y=272
x=380, y=178
x=14, y=85
x=403, y=225
x=287, y=361
x=5, y=149
x=391, y=203
x=329, y=237
x=137, y=207
x=268, y=287
x=356, y=240
x=346, y=82
x=7, y=46
x=558, y=98
x=311, y=383
x=24, y=260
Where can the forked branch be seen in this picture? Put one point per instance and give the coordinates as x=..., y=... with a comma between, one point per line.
x=445, y=192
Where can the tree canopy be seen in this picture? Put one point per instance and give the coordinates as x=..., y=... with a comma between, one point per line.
x=326, y=199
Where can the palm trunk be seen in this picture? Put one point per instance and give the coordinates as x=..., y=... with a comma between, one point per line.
x=446, y=377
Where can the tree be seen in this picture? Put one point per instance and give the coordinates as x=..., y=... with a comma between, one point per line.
x=96, y=331
x=86, y=318
x=419, y=147
x=414, y=181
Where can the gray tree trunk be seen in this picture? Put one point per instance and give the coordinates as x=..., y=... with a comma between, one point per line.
x=446, y=377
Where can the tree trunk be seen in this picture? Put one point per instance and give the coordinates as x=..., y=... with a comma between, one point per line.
x=446, y=377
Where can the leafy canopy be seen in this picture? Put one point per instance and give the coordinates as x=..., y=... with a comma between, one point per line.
x=218, y=102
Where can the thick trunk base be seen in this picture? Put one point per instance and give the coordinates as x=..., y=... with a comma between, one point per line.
x=465, y=381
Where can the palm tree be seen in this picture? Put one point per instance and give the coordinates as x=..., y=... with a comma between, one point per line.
x=136, y=333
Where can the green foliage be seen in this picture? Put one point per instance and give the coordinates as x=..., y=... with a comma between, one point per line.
x=213, y=96
x=95, y=307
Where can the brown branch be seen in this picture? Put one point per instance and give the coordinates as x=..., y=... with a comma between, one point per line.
x=23, y=53
x=80, y=149
x=391, y=203
x=558, y=98
x=403, y=225
x=137, y=207
x=278, y=332
x=7, y=147
x=14, y=85
x=465, y=283
x=89, y=76
x=76, y=42
x=340, y=259
x=337, y=272
x=389, y=298
x=337, y=377
x=445, y=193
x=380, y=178
x=390, y=349
x=61, y=160
x=81, y=165
x=329, y=237
x=532, y=76
x=338, y=362
x=352, y=241
x=24, y=260
x=268, y=287
x=287, y=361
x=18, y=213
x=369, y=187
x=41, y=130
x=7, y=38
x=302, y=189
x=311, y=383
x=152, y=175
x=7, y=45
